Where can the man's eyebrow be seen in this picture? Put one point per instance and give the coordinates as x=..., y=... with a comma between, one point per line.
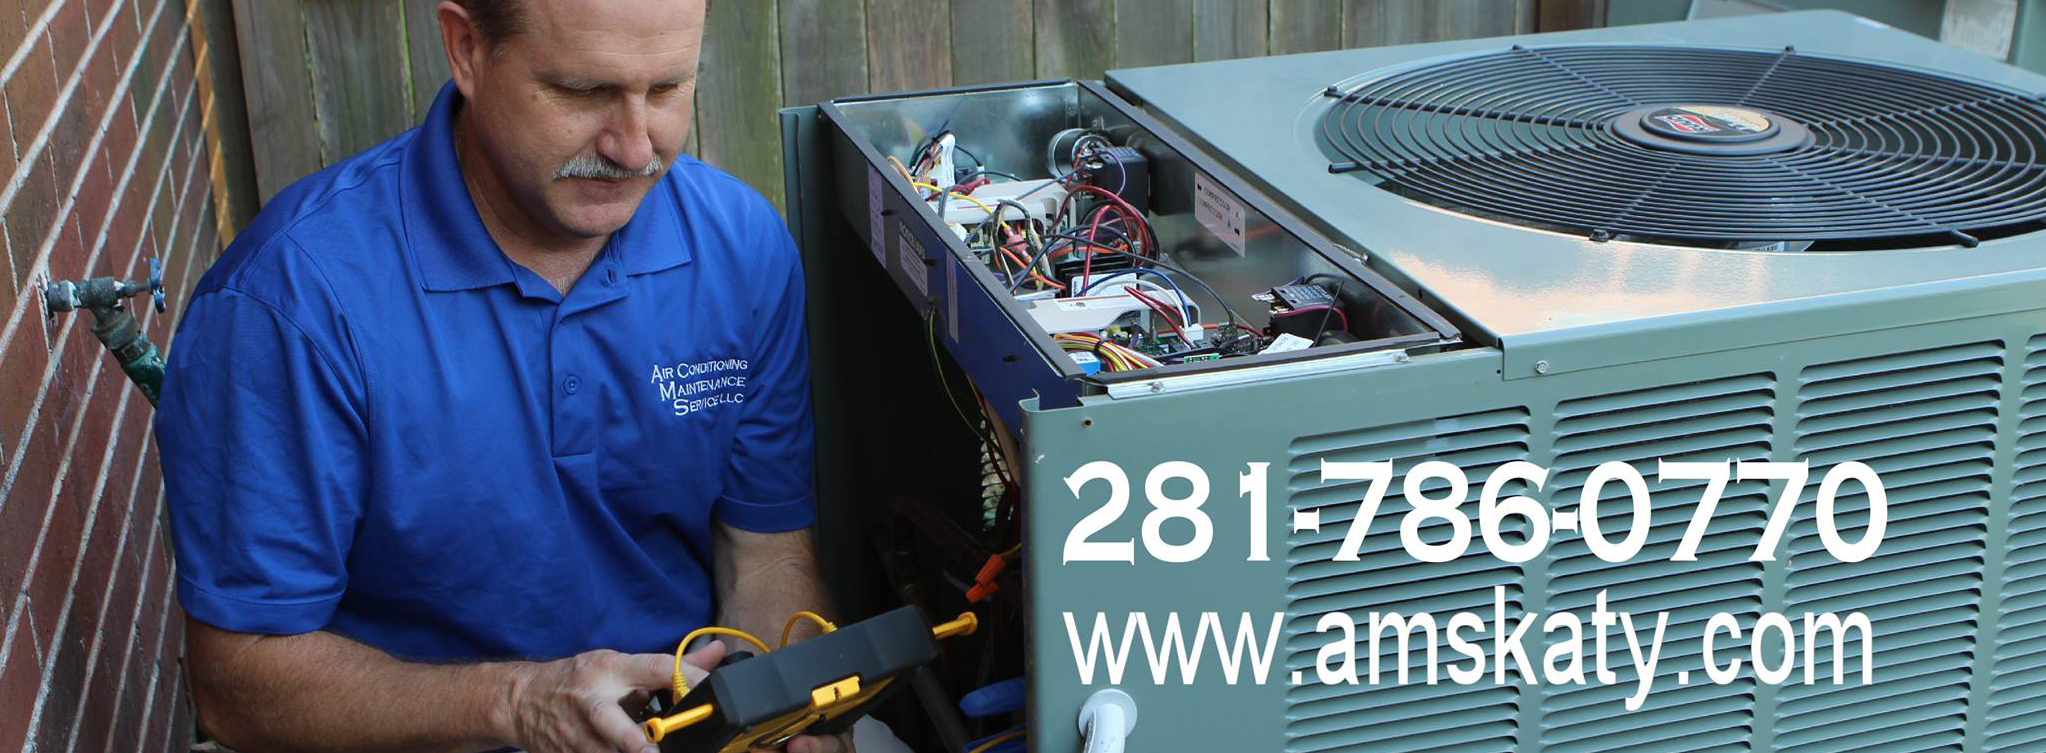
x=570, y=82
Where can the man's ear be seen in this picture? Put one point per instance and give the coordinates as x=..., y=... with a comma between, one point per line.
x=466, y=50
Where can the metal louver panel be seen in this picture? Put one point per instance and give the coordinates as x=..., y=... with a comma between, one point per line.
x=1926, y=421
x=1462, y=719
x=1708, y=421
x=2017, y=697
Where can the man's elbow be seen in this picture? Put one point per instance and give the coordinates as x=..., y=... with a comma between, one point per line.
x=211, y=676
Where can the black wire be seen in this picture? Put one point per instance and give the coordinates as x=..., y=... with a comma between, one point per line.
x=976, y=158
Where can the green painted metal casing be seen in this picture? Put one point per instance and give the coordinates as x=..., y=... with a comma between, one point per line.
x=1929, y=365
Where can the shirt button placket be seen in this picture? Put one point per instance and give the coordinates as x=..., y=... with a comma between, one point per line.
x=574, y=433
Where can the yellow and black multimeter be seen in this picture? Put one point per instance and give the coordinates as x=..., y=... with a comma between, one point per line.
x=817, y=687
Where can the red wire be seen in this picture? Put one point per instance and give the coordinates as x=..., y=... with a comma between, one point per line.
x=1158, y=308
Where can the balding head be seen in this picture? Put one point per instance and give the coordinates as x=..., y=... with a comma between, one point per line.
x=571, y=107
x=495, y=20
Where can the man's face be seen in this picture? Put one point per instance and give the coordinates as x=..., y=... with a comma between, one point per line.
x=582, y=111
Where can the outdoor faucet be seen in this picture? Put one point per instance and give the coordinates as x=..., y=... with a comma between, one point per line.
x=113, y=324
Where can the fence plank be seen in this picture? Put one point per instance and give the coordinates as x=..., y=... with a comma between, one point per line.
x=280, y=92
x=831, y=36
x=1227, y=29
x=1469, y=19
x=738, y=92
x=428, y=62
x=378, y=63
x=1153, y=32
x=993, y=40
x=1375, y=23
x=1075, y=38
x=1564, y=15
x=910, y=44
x=356, y=51
x=1306, y=26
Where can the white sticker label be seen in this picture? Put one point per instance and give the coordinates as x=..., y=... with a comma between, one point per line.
x=910, y=254
x=874, y=237
x=1284, y=343
x=1219, y=212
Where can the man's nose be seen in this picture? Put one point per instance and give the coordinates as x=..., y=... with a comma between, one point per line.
x=627, y=142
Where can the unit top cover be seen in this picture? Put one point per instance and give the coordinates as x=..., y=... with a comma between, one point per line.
x=1550, y=182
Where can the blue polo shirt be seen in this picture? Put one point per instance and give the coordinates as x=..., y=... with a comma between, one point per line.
x=377, y=424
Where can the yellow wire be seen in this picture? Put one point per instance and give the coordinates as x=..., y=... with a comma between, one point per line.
x=822, y=624
x=976, y=202
x=682, y=683
x=900, y=169
x=998, y=740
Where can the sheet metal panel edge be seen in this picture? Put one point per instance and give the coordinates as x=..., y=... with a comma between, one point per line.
x=1517, y=286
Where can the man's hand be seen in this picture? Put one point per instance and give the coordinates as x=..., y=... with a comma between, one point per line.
x=839, y=743
x=574, y=705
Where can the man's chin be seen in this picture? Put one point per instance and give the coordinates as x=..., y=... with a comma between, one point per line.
x=593, y=218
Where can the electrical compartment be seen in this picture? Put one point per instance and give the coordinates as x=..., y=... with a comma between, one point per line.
x=1063, y=244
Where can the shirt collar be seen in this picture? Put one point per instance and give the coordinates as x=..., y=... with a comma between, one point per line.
x=453, y=250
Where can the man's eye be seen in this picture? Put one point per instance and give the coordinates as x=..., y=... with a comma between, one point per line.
x=666, y=89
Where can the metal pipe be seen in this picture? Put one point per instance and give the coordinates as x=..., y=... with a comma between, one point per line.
x=115, y=327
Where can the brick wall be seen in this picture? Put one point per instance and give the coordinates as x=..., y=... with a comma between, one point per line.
x=105, y=159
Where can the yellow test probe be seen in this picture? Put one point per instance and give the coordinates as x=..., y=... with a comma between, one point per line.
x=841, y=694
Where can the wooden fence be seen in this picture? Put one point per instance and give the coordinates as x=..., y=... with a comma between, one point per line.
x=325, y=79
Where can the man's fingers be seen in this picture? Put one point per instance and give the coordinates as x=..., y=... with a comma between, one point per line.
x=617, y=729
x=819, y=744
x=700, y=662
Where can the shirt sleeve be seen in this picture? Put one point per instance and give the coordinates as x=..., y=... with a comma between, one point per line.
x=262, y=440
x=767, y=486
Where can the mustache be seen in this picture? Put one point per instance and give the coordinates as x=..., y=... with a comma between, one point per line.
x=598, y=167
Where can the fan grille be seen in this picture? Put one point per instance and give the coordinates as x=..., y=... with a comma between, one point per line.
x=1870, y=156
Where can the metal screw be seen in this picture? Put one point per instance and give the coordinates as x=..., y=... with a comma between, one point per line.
x=1402, y=358
x=1541, y=367
x=1157, y=387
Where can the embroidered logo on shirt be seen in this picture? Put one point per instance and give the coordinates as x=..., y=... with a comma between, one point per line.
x=688, y=388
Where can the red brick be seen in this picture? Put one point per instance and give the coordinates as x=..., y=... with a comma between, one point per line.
x=67, y=257
x=20, y=679
x=69, y=140
x=116, y=620
x=161, y=725
x=21, y=366
x=121, y=139
x=22, y=520
x=66, y=672
x=12, y=30
x=126, y=38
x=7, y=143
x=96, y=570
x=132, y=682
x=32, y=91
x=69, y=35
x=102, y=77
x=31, y=216
x=124, y=238
x=95, y=197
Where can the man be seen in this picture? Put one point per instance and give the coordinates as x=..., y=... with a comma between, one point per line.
x=457, y=418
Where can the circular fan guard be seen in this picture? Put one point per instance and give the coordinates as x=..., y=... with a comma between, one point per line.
x=1618, y=141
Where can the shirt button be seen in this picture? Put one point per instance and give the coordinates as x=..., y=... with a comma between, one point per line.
x=571, y=384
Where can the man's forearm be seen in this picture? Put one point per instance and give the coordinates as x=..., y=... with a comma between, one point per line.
x=323, y=692
x=763, y=579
